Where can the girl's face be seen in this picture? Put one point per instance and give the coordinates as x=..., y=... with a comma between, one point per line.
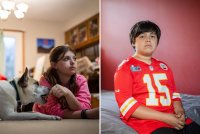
x=67, y=65
x=146, y=43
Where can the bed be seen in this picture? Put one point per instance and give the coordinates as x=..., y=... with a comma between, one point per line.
x=111, y=123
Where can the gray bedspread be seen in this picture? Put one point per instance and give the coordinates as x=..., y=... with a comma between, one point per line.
x=112, y=124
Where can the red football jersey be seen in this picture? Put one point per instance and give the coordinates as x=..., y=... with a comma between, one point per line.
x=137, y=83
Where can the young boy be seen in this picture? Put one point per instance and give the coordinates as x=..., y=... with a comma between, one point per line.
x=145, y=90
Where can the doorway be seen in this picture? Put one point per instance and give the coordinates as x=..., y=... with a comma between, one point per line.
x=13, y=53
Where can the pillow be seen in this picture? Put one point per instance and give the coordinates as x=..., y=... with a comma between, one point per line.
x=191, y=104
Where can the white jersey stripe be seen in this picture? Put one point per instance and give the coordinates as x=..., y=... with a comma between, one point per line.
x=127, y=105
x=176, y=95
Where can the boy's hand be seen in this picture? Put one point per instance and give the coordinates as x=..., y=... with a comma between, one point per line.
x=179, y=113
x=181, y=117
x=172, y=120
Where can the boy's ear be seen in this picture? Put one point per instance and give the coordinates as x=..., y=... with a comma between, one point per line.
x=133, y=45
x=23, y=80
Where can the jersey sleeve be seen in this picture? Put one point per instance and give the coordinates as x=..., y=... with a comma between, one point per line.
x=175, y=94
x=123, y=92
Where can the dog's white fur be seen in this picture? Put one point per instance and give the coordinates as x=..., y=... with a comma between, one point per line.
x=31, y=92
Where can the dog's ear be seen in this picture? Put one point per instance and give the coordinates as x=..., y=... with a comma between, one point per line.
x=23, y=81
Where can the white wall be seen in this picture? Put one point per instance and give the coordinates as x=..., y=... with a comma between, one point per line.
x=43, y=29
x=33, y=30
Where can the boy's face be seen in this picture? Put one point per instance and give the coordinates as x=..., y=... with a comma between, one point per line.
x=146, y=43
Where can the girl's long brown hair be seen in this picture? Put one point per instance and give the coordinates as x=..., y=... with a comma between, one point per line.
x=51, y=74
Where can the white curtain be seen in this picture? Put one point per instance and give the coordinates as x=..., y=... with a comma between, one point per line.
x=2, y=54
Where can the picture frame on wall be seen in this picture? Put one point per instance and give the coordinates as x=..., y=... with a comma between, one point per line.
x=83, y=32
x=74, y=37
x=45, y=45
x=93, y=27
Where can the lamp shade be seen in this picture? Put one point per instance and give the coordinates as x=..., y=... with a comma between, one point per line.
x=8, y=5
x=19, y=14
x=22, y=6
x=4, y=14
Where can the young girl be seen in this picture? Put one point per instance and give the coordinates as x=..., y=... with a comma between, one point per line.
x=69, y=95
x=145, y=90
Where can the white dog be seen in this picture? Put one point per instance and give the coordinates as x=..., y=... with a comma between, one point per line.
x=22, y=90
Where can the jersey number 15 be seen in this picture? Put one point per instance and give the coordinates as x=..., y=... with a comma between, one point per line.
x=165, y=99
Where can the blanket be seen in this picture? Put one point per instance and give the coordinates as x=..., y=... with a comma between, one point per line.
x=112, y=124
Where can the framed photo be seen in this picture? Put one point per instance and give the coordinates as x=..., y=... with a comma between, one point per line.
x=83, y=32
x=74, y=37
x=93, y=27
x=45, y=45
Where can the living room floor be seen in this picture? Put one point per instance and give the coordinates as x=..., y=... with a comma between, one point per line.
x=65, y=126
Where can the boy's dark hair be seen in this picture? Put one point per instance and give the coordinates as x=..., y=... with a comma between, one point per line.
x=141, y=27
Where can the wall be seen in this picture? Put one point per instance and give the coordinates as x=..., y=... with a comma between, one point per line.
x=33, y=30
x=44, y=29
x=179, y=44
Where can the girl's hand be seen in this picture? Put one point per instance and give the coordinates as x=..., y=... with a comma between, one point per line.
x=59, y=91
x=172, y=120
x=66, y=97
x=92, y=113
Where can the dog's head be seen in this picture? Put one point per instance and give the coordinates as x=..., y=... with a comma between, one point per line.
x=31, y=91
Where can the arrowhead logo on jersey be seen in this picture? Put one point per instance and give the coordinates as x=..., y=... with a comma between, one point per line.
x=151, y=68
x=135, y=68
x=163, y=66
